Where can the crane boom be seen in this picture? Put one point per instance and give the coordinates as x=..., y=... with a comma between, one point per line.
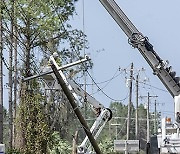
x=137, y=40
x=168, y=140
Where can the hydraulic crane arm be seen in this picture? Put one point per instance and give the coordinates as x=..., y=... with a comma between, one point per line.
x=103, y=116
x=137, y=40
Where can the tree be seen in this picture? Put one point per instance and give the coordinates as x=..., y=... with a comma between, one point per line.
x=41, y=28
x=59, y=146
x=5, y=126
x=1, y=77
x=34, y=136
x=107, y=146
x=119, y=110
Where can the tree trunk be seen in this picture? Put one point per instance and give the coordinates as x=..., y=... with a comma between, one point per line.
x=10, y=76
x=15, y=80
x=1, y=79
x=28, y=49
x=74, y=149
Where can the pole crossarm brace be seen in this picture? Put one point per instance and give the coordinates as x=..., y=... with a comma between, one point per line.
x=85, y=59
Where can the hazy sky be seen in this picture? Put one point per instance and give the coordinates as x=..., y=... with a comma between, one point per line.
x=109, y=48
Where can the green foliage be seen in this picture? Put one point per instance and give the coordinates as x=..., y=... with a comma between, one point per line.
x=42, y=28
x=106, y=146
x=119, y=110
x=119, y=117
x=59, y=146
x=13, y=151
x=32, y=122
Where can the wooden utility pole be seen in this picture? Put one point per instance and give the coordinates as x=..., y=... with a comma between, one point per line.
x=137, y=95
x=148, y=118
x=1, y=76
x=148, y=139
x=130, y=102
x=155, y=118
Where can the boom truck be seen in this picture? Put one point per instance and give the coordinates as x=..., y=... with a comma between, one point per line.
x=168, y=141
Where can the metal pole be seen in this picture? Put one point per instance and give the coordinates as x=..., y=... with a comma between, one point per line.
x=148, y=119
x=126, y=147
x=130, y=98
x=137, y=90
x=76, y=109
x=1, y=77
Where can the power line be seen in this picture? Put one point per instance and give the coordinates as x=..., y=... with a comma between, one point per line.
x=100, y=89
x=153, y=86
x=109, y=80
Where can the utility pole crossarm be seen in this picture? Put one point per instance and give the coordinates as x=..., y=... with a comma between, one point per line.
x=137, y=40
x=85, y=59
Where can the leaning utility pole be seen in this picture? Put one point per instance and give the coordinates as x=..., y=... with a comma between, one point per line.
x=130, y=98
x=1, y=77
x=137, y=90
x=75, y=107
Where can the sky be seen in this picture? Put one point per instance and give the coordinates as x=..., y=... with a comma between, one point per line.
x=109, y=48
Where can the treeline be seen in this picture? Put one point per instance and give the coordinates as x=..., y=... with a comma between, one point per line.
x=60, y=138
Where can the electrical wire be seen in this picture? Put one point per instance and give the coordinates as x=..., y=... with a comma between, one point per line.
x=102, y=82
x=88, y=71
x=153, y=86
